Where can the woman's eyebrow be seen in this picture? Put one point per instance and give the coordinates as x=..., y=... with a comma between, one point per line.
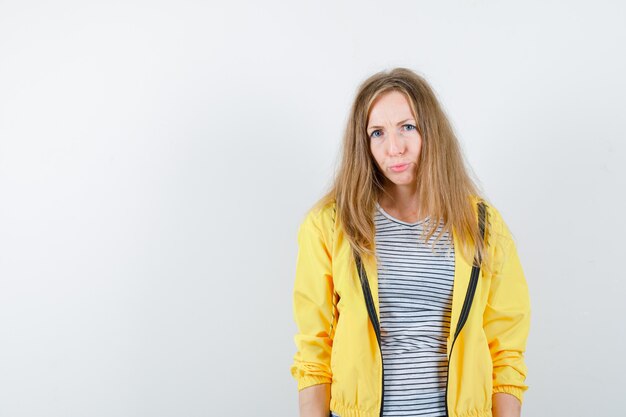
x=398, y=124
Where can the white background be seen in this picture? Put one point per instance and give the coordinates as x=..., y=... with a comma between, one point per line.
x=156, y=158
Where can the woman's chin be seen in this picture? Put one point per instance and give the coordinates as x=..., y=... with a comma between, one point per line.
x=401, y=182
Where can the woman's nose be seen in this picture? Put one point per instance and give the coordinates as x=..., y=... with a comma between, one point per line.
x=396, y=144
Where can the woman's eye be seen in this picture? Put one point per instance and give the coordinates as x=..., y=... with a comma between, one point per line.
x=409, y=126
x=374, y=133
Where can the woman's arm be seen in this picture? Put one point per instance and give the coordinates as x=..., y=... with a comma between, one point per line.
x=506, y=318
x=506, y=405
x=315, y=314
x=315, y=401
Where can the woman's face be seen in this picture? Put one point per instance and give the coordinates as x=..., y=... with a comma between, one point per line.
x=394, y=140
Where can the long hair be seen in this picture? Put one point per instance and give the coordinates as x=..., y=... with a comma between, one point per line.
x=444, y=186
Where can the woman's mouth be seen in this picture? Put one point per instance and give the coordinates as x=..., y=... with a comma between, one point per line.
x=399, y=168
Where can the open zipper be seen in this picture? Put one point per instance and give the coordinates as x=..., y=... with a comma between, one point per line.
x=469, y=296
x=371, y=311
x=467, y=304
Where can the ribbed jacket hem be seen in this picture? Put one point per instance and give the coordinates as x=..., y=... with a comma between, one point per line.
x=344, y=411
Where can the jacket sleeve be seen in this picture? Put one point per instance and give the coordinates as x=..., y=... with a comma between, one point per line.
x=506, y=319
x=314, y=311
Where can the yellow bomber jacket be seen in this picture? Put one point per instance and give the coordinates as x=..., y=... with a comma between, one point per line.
x=337, y=344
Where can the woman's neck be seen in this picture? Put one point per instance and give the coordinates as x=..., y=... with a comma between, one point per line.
x=402, y=203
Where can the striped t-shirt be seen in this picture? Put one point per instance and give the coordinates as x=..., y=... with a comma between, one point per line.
x=415, y=293
x=415, y=300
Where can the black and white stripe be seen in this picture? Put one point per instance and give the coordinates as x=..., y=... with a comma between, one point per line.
x=415, y=293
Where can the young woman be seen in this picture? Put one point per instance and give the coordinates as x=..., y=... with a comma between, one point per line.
x=409, y=295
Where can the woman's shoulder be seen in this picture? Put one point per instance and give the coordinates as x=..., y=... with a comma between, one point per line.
x=494, y=217
x=499, y=236
x=321, y=215
x=497, y=229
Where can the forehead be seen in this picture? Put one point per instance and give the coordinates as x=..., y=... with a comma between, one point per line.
x=391, y=105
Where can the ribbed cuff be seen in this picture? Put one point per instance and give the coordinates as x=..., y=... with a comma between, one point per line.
x=309, y=380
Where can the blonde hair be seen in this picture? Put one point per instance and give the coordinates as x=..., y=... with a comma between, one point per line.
x=444, y=187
